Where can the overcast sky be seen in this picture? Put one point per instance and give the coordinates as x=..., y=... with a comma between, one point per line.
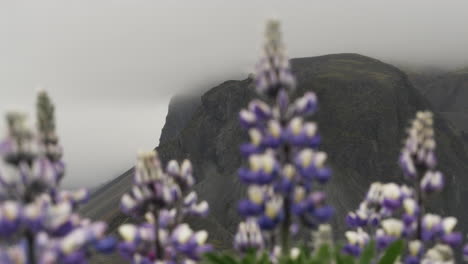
x=111, y=66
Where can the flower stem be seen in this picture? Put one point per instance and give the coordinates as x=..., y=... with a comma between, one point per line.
x=31, y=247
x=286, y=151
x=285, y=226
x=157, y=245
x=420, y=202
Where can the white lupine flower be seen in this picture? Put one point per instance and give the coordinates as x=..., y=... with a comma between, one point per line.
x=289, y=171
x=190, y=198
x=439, y=254
x=295, y=252
x=256, y=193
x=299, y=194
x=201, y=237
x=274, y=128
x=375, y=192
x=296, y=125
x=306, y=156
x=320, y=158
x=255, y=162
x=322, y=236
x=393, y=227
x=10, y=210
x=255, y=136
x=410, y=206
x=268, y=162
x=137, y=194
x=173, y=167
x=448, y=224
x=273, y=207
x=183, y=232
x=431, y=220
x=200, y=208
x=310, y=129
x=128, y=232
x=414, y=247
x=247, y=116
x=358, y=237
x=391, y=191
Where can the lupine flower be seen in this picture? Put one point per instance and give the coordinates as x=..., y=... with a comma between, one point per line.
x=284, y=169
x=37, y=220
x=162, y=198
x=465, y=252
x=415, y=251
x=356, y=241
x=248, y=237
x=400, y=209
x=392, y=230
x=440, y=254
x=322, y=236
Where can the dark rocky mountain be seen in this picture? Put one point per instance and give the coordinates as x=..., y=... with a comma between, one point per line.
x=365, y=106
x=181, y=110
x=447, y=92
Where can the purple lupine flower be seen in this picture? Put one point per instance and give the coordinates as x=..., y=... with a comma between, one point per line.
x=35, y=215
x=465, y=252
x=163, y=198
x=284, y=170
x=415, y=251
x=401, y=208
x=273, y=72
x=439, y=253
x=356, y=241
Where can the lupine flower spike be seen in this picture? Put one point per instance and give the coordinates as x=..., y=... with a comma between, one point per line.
x=163, y=199
x=391, y=211
x=285, y=168
x=37, y=220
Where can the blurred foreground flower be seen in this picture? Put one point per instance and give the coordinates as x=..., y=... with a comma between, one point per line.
x=285, y=169
x=161, y=200
x=38, y=223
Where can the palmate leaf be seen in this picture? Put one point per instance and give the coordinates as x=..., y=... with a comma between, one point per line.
x=392, y=253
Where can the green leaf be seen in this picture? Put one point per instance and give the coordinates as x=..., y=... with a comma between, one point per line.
x=250, y=257
x=392, y=253
x=341, y=258
x=324, y=254
x=344, y=259
x=228, y=259
x=213, y=258
x=264, y=259
x=368, y=253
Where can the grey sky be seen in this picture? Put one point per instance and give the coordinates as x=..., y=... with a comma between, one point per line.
x=111, y=66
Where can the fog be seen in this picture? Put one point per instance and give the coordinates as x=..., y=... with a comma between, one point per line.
x=111, y=66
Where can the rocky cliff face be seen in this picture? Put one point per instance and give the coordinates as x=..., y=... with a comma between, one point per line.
x=364, y=108
x=181, y=110
x=448, y=93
